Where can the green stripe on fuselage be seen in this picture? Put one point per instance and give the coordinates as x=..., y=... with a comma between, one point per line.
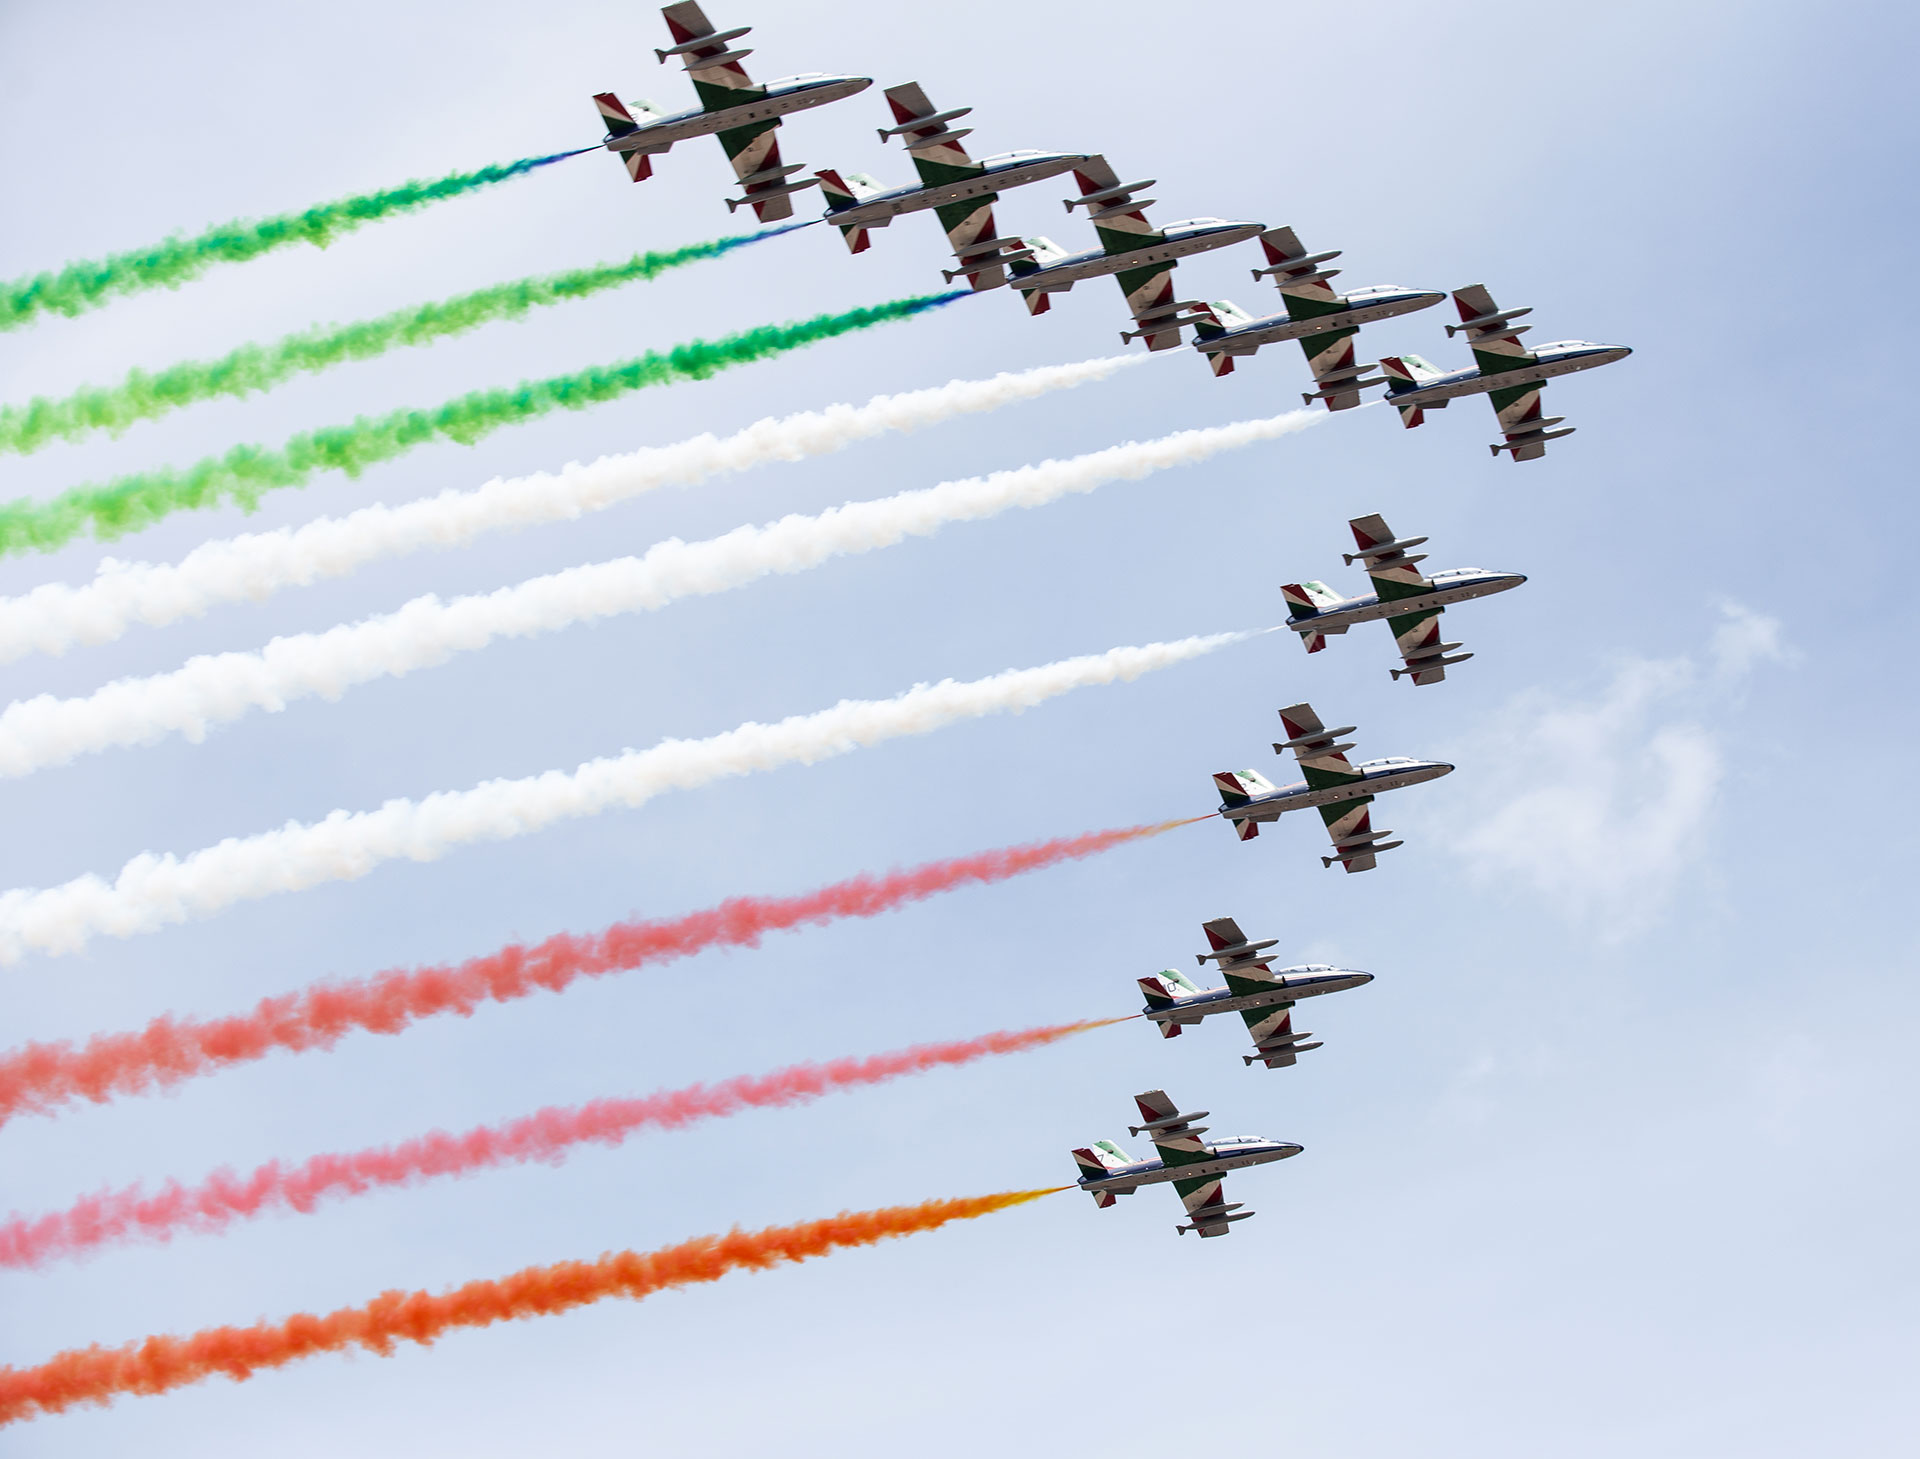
x=1298, y=308
x=1241, y=987
x=939, y=174
x=1114, y=240
x=1327, y=779
x=719, y=98
x=1498, y=364
x=1389, y=590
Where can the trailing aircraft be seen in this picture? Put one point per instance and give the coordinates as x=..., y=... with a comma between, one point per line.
x=1262, y=996
x=961, y=192
x=1141, y=256
x=1323, y=321
x=1195, y=1168
x=1340, y=790
x=1504, y=370
x=732, y=107
x=1410, y=602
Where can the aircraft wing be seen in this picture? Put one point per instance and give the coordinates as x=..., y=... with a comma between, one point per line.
x=1394, y=575
x=1206, y=1206
x=1223, y=932
x=721, y=81
x=939, y=157
x=1120, y=220
x=1495, y=340
x=1350, y=828
x=1275, y=1044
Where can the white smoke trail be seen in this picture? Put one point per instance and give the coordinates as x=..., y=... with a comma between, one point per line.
x=153, y=891
x=213, y=689
x=56, y=616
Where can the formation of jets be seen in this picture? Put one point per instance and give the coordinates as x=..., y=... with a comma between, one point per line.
x=745, y=116
x=1141, y=258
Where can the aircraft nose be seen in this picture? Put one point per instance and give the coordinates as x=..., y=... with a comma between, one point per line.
x=1365, y=978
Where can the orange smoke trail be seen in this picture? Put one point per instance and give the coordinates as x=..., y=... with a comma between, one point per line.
x=38, y=1077
x=132, y=1213
x=157, y=1364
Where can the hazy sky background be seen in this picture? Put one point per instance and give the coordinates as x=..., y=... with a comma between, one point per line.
x=1617, y=1154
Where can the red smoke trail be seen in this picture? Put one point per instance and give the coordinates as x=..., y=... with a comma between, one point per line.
x=156, y=1364
x=222, y=1198
x=38, y=1077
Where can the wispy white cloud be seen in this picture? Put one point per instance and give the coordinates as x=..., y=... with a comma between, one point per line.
x=1599, y=805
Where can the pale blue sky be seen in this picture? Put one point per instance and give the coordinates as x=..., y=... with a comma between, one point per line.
x=1618, y=1150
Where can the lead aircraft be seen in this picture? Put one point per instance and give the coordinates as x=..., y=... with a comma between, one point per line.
x=1410, y=601
x=1504, y=370
x=1341, y=790
x=732, y=107
x=1262, y=997
x=961, y=192
x=1323, y=321
x=1195, y=1168
x=1139, y=255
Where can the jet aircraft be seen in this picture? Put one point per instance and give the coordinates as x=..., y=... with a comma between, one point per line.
x=1141, y=256
x=1323, y=321
x=1341, y=790
x=1195, y=1168
x=1511, y=375
x=961, y=192
x=1262, y=997
x=1410, y=602
x=742, y=115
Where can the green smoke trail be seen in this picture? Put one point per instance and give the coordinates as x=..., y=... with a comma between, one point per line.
x=245, y=472
x=142, y=396
x=166, y=265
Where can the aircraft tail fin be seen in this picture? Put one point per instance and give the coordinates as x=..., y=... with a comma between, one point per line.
x=1221, y=315
x=1159, y=994
x=843, y=190
x=1041, y=251
x=613, y=111
x=1409, y=372
x=1098, y=1160
x=1306, y=600
x=1237, y=787
x=1163, y=992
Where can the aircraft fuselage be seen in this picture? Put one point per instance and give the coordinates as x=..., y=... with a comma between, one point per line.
x=1225, y=1156
x=1297, y=983
x=1375, y=776
x=1180, y=240
x=1363, y=307
x=1563, y=358
x=1013, y=169
x=781, y=98
x=1457, y=585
